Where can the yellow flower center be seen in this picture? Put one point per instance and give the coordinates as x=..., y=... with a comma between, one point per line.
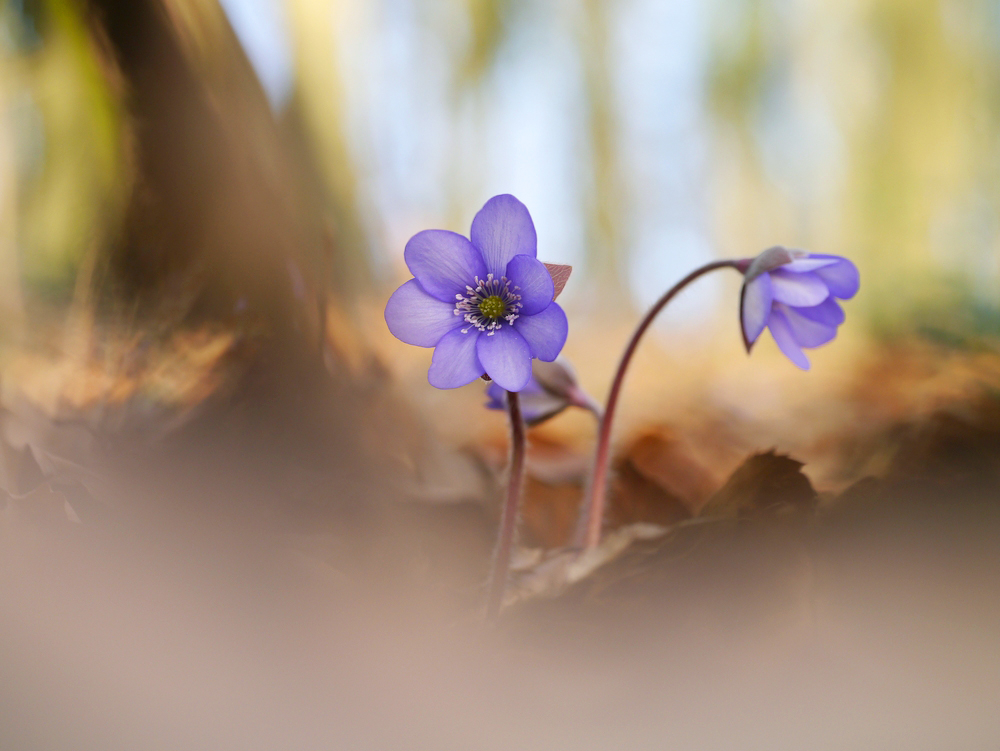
x=492, y=307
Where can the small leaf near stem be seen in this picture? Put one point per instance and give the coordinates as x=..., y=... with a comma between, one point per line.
x=588, y=533
x=508, y=519
x=560, y=275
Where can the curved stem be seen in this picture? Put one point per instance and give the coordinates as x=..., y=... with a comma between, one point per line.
x=592, y=512
x=508, y=520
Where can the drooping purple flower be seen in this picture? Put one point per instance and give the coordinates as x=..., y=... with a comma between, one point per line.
x=485, y=304
x=794, y=294
x=551, y=389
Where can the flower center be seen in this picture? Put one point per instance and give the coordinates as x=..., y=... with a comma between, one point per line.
x=487, y=305
x=492, y=307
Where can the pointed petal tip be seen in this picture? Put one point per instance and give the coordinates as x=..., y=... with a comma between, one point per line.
x=784, y=337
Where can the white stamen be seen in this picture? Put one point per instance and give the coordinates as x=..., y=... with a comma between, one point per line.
x=470, y=306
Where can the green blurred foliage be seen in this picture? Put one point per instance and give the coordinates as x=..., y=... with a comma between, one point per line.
x=67, y=130
x=487, y=21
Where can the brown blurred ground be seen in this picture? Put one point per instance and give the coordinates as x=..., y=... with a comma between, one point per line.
x=243, y=584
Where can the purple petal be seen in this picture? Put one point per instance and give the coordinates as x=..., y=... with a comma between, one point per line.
x=537, y=404
x=810, y=263
x=497, y=397
x=536, y=287
x=842, y=278
x=800, y=290
x=782, y=334
x=828, y=312
x=534, y=388
x=506, y=358
x=536, y=408
x=807, y=332
x=443, y=262
x=544, y=332
x=416, y=318
x=455, y=362
x=755, y=307
x=501, y=230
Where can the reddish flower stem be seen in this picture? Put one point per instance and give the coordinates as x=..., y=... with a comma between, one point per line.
x=508, y=519
x=592, y=512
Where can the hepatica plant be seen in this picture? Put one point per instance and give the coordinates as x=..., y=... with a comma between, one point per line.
x=791, y=292
x=794, y=294
x=487, y=306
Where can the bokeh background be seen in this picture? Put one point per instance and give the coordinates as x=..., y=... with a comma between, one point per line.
x=231, y=501
x=645, y=137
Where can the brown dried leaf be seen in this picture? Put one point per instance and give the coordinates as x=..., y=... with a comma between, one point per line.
x=560, y=275
x=668, y=461
x=764, y=482
x=549, y=513
x=961, y=443
x=636, y=499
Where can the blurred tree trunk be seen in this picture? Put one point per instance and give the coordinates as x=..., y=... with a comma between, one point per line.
x=229, y=219
x=222, y=215
x=222, y=226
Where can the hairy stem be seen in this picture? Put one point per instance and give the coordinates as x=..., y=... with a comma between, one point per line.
x=592, y=511
x=508, y=520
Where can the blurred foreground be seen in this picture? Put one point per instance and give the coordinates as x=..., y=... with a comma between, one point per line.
x=237, y=581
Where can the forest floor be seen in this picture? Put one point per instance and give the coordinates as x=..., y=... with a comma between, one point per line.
x=202, y=549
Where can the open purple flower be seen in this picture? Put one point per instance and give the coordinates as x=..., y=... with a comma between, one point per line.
x=794, y=294
x=551, y=389
x=485, y=305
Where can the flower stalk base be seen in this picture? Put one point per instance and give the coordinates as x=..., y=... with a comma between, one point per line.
x=511, y=507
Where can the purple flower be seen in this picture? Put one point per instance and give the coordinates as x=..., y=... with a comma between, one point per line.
x=794, y=294
x=551, y=389
x=485, y=305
